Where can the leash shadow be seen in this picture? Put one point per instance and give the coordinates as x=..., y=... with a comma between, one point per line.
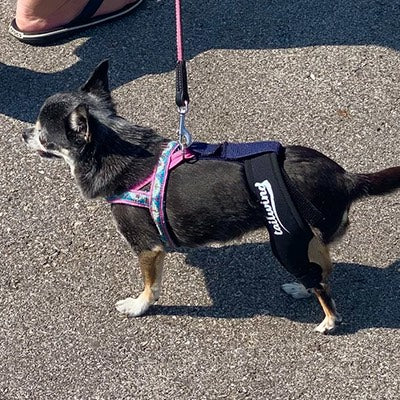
x=144, y=42
x=244, y=281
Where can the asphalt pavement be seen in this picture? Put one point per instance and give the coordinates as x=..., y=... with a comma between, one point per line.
x=317, y=73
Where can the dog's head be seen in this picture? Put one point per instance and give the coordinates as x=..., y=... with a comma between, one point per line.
x=65, y=123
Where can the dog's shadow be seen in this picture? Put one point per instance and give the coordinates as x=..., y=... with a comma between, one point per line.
x=244, y=281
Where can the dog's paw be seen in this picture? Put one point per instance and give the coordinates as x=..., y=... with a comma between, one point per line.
x=132, y=307
x=328, y=325
x=296, y=290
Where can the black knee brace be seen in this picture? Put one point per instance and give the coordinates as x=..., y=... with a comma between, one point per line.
x=289, y=235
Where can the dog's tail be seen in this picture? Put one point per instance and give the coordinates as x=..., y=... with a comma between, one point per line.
x=375, y=184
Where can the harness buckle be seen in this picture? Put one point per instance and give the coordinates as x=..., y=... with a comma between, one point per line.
x=184, y=136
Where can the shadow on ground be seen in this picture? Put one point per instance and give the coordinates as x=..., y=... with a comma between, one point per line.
x=143, y=43
x=244, y=281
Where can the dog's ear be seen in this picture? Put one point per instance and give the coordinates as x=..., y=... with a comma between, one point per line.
x=98, y=81
x=78, y=123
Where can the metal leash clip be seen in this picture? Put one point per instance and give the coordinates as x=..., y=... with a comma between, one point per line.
x=184, y=136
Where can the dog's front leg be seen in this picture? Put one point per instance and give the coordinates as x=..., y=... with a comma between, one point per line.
x=151, y=265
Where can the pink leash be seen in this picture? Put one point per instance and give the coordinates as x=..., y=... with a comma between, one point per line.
x=182, y=94
x=179, y=45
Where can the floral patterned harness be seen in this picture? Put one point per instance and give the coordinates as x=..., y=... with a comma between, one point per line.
x=153, y=199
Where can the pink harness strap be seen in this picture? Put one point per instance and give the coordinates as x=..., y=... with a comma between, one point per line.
x=154, y=199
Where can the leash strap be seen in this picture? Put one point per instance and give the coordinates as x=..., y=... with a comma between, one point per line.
x=182, y=94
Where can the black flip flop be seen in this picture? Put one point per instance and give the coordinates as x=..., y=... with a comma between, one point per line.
x=82, y=21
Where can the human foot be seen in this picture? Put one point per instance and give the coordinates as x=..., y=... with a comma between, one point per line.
x=41, y=15
x=40, y=25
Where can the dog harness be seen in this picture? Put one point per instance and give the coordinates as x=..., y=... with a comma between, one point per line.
x=289, y=234
x=153, y=198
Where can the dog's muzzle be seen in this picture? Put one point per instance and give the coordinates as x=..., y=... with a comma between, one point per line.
x=27, y=134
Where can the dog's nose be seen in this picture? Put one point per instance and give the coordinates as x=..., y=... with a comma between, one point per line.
x=27, y=133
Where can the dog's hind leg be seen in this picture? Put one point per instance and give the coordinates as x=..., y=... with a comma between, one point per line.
x=332, y=318
x=151, y=265
x=318, y=253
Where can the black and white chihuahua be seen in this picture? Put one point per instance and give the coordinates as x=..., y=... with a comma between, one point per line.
x=207, y=200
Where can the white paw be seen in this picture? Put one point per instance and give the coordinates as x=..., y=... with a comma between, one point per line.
x=328, y=324
x=132, y=307
x=296, y=290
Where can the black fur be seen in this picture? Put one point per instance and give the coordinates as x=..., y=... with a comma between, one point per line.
x=206, y=200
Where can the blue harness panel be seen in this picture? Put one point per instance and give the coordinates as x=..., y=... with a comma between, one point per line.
x=234, y=151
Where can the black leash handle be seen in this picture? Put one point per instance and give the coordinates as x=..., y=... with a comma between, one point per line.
x=182, y=93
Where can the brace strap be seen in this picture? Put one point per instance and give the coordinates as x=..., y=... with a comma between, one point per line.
x=289, y=234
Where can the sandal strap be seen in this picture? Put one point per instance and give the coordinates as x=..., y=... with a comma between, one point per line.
x=88, y=11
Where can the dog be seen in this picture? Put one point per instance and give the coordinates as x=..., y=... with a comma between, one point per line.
x=207, y=200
